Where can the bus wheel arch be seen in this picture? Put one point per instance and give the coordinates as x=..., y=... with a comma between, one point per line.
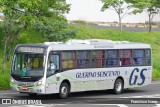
x=64, y=89
x=118, y=85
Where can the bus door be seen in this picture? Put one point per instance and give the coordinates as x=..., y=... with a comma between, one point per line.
x=53, y=66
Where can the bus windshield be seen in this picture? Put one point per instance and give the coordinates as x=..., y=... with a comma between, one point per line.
x=28, y=65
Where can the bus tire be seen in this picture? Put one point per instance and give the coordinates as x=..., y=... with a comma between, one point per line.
x=118, y=86
x=64, y=90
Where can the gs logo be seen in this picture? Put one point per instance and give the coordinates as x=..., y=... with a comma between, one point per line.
x=134, y=77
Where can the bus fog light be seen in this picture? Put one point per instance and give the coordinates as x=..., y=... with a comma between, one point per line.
x=12, y=80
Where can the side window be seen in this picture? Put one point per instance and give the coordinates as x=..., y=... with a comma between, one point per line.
x=125, y=57
x=55, y=59
x=112, y=58
x=17, y=64
x=68, y=60
x=97, y=58
x=138, y=57
x=148, y=57
x=83, y=59
x=53, y=64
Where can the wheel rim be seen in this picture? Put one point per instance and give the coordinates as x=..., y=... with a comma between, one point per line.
x=64, y=91
x=118, y=86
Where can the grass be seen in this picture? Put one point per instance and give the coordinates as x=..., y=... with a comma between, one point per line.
x=4, y=74
x=85, y=32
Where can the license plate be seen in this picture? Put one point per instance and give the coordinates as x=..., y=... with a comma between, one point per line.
x=24, y=88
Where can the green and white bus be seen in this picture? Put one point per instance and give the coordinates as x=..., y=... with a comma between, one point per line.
x=80, y=65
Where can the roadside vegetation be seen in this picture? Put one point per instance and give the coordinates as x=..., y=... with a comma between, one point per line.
x=26, y=37
x=151, y=7
x=37, y=21
x=84, y=32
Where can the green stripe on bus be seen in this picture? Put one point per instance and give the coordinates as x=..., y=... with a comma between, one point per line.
x=33, y=87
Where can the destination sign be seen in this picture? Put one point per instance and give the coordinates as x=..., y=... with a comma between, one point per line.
x=31, y=49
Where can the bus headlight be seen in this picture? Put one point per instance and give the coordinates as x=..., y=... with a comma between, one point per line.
x=39, y=83
x=12, y=80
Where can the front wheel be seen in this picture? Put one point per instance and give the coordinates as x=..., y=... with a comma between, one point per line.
x=118, y=86
x=64, y=90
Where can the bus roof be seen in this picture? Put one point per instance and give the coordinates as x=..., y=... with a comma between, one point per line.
x=89, y=44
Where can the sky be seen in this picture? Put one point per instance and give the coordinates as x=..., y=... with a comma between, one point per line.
x=90, y=10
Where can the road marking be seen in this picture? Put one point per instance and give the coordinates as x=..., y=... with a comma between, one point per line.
x=157, y=105
x=119, y=105
x=43, y=105
x=53, y=105
x=9, y=93
x=155, y=83
x=144, y=96
x=90, y=101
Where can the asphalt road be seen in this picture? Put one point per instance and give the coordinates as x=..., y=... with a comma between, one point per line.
x=94, y=98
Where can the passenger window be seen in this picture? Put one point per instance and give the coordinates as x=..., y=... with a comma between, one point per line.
x=138, y=57
x=83, y=59
x=112, y=58
x=97, y=58
x=68, y=60
x=125, y=56
x=148, y=57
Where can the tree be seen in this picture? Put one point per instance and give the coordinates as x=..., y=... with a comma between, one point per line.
x=54, y=30
x=24, y=14
x=150, y=6
x=10, y=31
x=119, y=6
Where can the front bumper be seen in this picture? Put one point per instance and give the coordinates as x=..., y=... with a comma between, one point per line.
x=31, y=89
